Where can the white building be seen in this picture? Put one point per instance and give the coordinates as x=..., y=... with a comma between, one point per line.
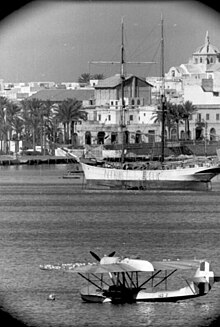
x=105, y=118
x=199, y=82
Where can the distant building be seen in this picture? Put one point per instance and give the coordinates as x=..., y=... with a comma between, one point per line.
x=59, y=95
x=104, y=120
x=198, y=81
x=20, y=91
x=71, y=85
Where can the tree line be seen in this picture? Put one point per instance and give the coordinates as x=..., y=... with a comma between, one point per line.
x=86, y=77
x=33, y=121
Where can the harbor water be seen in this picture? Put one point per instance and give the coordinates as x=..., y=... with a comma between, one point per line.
x=47, y=219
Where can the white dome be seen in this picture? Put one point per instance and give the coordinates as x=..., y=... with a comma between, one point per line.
x=207, y=48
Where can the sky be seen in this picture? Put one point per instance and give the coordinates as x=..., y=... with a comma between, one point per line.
x=55, y=40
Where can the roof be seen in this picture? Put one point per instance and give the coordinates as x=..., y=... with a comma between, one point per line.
x=113, y=81
x=63, y=94
x=193, y=69
x=207, y=48
x=214, y=67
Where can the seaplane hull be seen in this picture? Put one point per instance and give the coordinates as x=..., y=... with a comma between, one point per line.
x=92, y=295
x=196, y=178
x=94, y=298
x=146, y=297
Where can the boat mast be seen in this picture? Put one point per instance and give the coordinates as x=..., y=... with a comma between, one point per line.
x=162, y=93
x=122, y=76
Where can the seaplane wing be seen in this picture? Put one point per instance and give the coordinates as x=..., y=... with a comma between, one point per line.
x=106, y=265
x=114, y=265
x=177, y=264
x=101, y=269
x=92, y=268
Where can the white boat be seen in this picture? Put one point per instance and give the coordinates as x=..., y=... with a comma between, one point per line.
x=185, y=177
x=181, y=178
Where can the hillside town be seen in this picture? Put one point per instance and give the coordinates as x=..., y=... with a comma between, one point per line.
x=192, y=93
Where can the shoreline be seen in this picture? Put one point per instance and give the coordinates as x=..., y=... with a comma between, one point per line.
x=6, y=160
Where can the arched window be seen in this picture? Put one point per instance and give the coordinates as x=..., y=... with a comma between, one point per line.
x=114, y=137
x=173, y=134
x=132, y=102
x=212, y=134
x=88, y=138
x=199, y=133
x=165, y=134
x=182, y=135
x=101, y=137
x=126, y=137
x=138, y=137
x=75, y=139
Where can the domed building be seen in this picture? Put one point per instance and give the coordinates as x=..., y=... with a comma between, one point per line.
x=206, y=54
x=204, y=62
x=199, y=83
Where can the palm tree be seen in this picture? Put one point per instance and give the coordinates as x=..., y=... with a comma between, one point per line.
x=84, y=78
x=4, y=123
x=17, y=124
x=32, y=118
x=13, y=111
x=169, y=123
x=188, y=110
x=176, y=111
x=98, y=76
x=170, y=117
x=69, y=112
x=174, y=114
x=46, y=119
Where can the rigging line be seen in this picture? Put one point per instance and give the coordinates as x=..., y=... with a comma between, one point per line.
x=145, y=52
x=114, y=40
x=147, y=36
x=126, y=51
x=149, y=68
x=153, y=58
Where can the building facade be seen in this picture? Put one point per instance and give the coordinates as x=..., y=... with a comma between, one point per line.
x=198, y=81
x=106, y=118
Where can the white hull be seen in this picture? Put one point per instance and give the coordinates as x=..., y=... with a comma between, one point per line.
x=179, y=178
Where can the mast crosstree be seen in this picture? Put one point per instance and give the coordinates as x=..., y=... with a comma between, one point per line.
x=122, y=63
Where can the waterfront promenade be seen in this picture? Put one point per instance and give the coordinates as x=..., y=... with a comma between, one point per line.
x=140, y=150
x=6, y=160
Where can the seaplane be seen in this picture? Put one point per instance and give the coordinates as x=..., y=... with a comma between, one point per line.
x=127, y=280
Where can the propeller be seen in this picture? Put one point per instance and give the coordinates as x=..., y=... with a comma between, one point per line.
x=111, y=254
x=98, y=258
x=95, y=256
